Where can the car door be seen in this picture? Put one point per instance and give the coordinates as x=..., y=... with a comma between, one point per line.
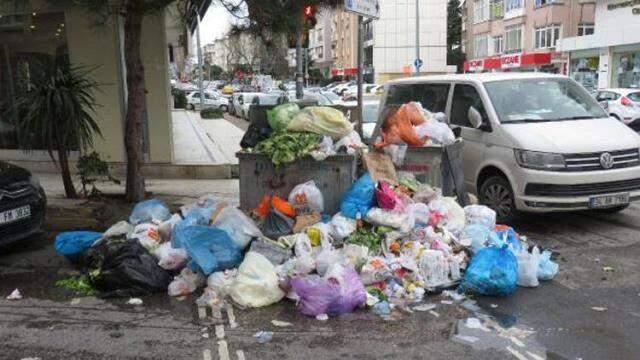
x=465, y=96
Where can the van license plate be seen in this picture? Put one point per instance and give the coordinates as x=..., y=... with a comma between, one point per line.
x=608, y=201
x=10, y=216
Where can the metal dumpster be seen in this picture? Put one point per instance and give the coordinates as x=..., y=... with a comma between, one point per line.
x=258, y=177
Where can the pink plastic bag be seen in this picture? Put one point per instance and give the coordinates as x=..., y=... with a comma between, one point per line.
x=340, y=292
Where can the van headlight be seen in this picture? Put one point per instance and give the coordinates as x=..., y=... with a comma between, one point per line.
x=539, y=160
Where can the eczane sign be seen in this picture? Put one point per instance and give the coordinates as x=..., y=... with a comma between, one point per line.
x=366, y=8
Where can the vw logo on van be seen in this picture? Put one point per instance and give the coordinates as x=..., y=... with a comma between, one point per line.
x=606, y=160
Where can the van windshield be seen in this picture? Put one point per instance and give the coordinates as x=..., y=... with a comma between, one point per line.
x=542, y=100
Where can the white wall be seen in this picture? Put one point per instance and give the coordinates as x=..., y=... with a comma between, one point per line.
x=394, y=35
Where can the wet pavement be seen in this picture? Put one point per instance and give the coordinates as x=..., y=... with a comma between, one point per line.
x=554, y=321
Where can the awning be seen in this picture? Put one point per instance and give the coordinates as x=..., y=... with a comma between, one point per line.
x=342, y=72
x=508, y=61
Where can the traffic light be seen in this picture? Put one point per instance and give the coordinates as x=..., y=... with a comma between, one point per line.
x=309, y=11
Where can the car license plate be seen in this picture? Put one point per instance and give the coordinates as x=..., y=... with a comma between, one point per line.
x=608, y=200
x=10, y=216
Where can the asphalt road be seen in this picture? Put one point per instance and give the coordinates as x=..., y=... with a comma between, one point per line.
x=554, y=321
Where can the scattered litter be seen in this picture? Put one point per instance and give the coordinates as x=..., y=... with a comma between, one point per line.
x=494, y=306
x=454, y=295
x=608, y=269
x=434, y=313
x=263, y=336
x=322, y=317
x=466, y=338
x=599, y=308
x=473, y=323
x=75, y=301
x=135, y=301
x=424, y=307
x=31, y=358
x=446, y=302
x=471, y=305
x=15, y=295
x=279, y=323
x=205, y=335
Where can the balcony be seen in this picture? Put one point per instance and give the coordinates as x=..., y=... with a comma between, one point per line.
x=496, y=10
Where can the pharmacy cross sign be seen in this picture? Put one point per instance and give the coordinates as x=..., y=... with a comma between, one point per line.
x=366, y=8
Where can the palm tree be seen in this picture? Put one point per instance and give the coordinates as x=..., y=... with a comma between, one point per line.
x=56, y=113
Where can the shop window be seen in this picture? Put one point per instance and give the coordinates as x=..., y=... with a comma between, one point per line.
x=29, y=44
x=627, y=70
x=498, y=45
x=464, y=97
x=585, y=72
x=513, y=41
x=481, y=46
x=547, y=37
x=585, y=29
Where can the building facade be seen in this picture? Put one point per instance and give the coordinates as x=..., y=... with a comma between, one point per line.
x=320, y=42
x=522, y=35
x=344, y=43
x=609, y=56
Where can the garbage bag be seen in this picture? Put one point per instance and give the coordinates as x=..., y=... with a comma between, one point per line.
x=342, y=226
x=359, y=198
x=397, y=152
x=73, y=244
x=210, y=249
x=374, y=270
x=277, y=224
x=170, y=258
x=528, y=267
x=187, y=282
x=419, y=213
x=283, y=206
x=388, y=218
x=147, y=211
x=147, y=235
x=273, y=251
x=121, y=267
x=254, y=134
x=409, y=181
x=166, y=228
x=350, y=143
x=547, y=268
x=434, y=268
x=398, y=127
x=385, y=196
x=326, y=258
x=339, y=292
x=492, y=272
x=307, y=196
x=121, y=228
x=507, y=235
x=475, y=236
x=480, y=214
x=257, y=282
x=425, y=194
x=323, y=150
x=221, y=281
x=454, y=217
x=280, y=116
x=321, y=120
x=238, y=225
x=437, y=132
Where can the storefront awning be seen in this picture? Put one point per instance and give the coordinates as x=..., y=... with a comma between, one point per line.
x=508, y=61
x=343, y=72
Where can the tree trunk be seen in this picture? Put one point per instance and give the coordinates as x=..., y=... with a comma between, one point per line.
x=63, y=160
x=136, y=102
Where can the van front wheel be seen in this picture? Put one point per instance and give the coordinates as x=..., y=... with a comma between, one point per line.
x=495, y=192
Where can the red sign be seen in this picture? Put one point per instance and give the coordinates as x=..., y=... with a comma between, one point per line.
x=476, y=65
x=511, y=61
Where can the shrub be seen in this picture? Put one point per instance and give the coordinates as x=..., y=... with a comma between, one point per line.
x=211, y=113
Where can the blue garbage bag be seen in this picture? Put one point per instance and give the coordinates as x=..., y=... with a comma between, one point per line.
x=492, y=272
x=73, y=244
x=547, y=268
x=210, y=249
x=360, y=197
x=149, y=210
x=511, y=238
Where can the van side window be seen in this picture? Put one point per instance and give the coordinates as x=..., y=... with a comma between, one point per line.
x=465, y=96
x=433, y=97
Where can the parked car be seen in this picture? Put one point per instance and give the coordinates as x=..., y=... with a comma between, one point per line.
x=351, y=93
x=554, y=149
x=323, y=98
x=369, y=118
x=245, y=102
x=234, y=104
x=622, y=104
x=211, y=100
x=22, y=204
x=340, y=89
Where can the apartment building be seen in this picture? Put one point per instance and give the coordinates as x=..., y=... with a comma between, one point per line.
x=522, y=35
x=609, y=54
x=320, y=42
x=344, y=43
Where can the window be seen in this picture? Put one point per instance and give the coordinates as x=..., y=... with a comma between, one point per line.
x=585, y=29
x=497, y=9
x=510, y=5
x=514, y=39
x=635, y=96
x=480, y=11
x=481, y=46
x=607, y=96
x=464, y=97
x=545, y=2
x=547, y=37
x=498, y=44
x=433, y=97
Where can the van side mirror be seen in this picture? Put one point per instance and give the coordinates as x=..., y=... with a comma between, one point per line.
x=474, y=117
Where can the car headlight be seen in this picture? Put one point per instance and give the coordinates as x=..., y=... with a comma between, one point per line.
x=34, y=182
x=539, y=160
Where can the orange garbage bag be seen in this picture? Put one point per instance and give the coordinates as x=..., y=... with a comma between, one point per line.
x=263, y=207
x=283, y=206
x=398, y=127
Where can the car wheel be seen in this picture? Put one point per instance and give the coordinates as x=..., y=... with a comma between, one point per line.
x=224, y=108
x=612, y=210
x=496, y=193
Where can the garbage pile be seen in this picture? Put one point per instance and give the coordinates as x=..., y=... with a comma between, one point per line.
x=388, y=246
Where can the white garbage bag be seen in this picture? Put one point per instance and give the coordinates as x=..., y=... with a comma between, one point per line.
x=257, y=282
x=528, y=267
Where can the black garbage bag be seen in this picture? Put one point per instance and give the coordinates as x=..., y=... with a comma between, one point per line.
x=277, y=224
x=255, y=133
x=123, y=268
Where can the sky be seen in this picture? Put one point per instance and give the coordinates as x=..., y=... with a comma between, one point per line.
x=215, y=24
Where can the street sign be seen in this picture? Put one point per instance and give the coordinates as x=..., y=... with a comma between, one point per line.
x=418, y=63
x=366, y=8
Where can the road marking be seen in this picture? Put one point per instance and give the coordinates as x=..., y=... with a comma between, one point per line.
x=206, y=354
x=223, y=350
x=231, y=316
x=516, y=353
x=240, y=354
x=220, y=332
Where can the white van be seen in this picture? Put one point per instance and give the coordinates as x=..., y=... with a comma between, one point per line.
x=533, y=142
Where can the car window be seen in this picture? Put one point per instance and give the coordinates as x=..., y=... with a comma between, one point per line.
x=433, y=97
x=464, y=97
x=634, y=96
x=207, y=96
x=606, y=96
x=196, y=95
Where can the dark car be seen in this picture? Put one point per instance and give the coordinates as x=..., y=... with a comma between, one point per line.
x=22, y=204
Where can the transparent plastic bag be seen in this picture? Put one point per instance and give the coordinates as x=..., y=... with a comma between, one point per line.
x=153, y=210
x=280, y=116
x=437, y=132
x=352, y=143
x=256, y=284
x=221, y=281
x=480, y=214
x=397, y=152
x=307, y=195
x=528, y=267
x=324, y=149
x=547, y=268
x=147, y=235
x=321, y=120
x=342, y=226
x=238, y=225
x=186, y=283
x=170, y=258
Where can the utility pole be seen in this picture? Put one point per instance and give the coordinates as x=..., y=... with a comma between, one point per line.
x=299, y=60
x=417, y=73
x=360, y=74
x=306, y=67
x=199, y=62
